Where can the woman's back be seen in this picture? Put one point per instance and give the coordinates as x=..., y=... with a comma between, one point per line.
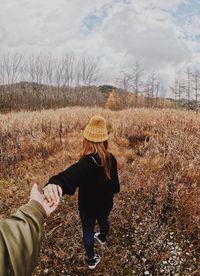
x=96, y=190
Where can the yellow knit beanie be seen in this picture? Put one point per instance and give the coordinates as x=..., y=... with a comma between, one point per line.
x=96, y=130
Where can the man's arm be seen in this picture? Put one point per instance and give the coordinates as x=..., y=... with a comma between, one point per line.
x=21, y=235
x=20, y=239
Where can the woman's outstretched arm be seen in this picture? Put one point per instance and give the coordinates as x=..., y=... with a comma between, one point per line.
x=64, y=182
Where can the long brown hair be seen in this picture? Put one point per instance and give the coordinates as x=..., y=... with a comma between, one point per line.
x=101, y=148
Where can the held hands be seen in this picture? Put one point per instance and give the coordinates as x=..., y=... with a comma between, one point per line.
x=49, y=206
x=52, y=193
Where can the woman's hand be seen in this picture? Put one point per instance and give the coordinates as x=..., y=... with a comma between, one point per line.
x=49, y=207
x=53, y=193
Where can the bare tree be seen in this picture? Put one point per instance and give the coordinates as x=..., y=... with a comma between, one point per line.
x=35, y=69
x=188, y=85
x=136, y=80
x=124, y=81
x=196, y=81
x=150, y=90
x=48, y=70
x=10, y=64
x=152, y=84
x=157, y=89
x=147, y=93
x=162, y=99
x=59, y=71
x=2, y=70
x=179, y=88
x=9, y=76
x=69, y=70
x=174, y=90
x=87, y=71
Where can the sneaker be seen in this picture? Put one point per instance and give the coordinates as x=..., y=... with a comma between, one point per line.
x=96, y=236
x=94, y=261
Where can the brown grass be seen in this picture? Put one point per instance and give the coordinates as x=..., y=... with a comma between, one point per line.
x=158, y=154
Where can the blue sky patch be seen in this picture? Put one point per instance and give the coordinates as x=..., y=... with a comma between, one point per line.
x=185, y=12
x=184, y=15
x=95, y=19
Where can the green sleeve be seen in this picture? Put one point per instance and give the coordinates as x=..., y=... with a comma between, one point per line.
x=20, y=239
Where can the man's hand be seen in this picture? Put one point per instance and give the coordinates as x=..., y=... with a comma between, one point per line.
x=48, y=206
x=53, y=193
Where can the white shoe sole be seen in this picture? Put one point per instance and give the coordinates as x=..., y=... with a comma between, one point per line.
x=96, y=237
x=93, y=266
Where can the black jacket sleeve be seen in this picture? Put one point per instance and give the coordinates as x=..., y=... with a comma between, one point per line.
x=114, y=176
x=69, y=179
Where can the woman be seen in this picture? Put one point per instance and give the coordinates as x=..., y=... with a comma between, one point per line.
x=95, y=174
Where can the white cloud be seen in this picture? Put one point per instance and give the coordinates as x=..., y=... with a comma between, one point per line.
x=124, y=31
x=167, y=5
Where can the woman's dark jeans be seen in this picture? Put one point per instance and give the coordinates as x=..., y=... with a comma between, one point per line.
x=88, y=225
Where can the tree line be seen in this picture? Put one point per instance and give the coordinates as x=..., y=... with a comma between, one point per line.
x=43, y=81
x=38, y=81
x=141, y=83
x=186, y=88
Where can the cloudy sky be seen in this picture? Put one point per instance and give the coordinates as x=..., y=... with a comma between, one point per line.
x=163, y=35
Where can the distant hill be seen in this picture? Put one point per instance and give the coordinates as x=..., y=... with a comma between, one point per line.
x=35, y=96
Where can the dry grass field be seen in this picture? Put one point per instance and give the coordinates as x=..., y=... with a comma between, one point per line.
x=155, y=223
